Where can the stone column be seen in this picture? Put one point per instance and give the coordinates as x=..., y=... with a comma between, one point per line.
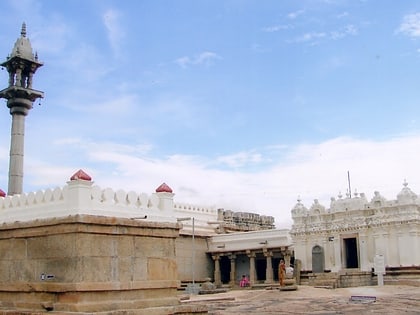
x=287, y=256
x=337, y=254
x=331, y=257
x=414, y=240
x=16, y=154
x=252, y=275
x=326, y=253
x=232, y=281
x=363, y=252
x=388, y=257
x=217, y=274
x=269, y=269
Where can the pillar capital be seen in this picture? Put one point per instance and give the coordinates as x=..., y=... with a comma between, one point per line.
x=251, y=254
x=267, y=253
x=215, y=257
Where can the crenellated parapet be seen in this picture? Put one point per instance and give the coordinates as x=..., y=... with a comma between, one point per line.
x=81, y=196
x=356, y=213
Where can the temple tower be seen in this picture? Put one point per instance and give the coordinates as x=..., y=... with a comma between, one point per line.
x=21, y=65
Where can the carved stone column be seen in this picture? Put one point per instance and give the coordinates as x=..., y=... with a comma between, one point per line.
x=232, y=281
x=363, y=251
x=252, y=274
x=287, y=255
x=269, y=270
x=217, y=274
x=337, y=254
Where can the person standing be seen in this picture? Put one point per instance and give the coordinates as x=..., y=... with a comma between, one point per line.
x=282, y=272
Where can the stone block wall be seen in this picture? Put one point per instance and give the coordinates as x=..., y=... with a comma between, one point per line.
x=89, y=264
x=203, y=264
x=356, y=279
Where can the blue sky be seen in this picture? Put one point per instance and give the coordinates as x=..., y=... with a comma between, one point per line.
x=244, y=105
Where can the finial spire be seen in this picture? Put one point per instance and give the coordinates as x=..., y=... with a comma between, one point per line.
x=23, y=31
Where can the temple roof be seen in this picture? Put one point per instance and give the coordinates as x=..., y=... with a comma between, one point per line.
x=406, y=194
x=80, y=174
x=164, y=188
x=23, y=48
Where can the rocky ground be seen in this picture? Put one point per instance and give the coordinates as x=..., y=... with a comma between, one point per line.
x=391, y=299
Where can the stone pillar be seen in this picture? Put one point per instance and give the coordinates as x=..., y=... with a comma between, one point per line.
x=388, y=257
x=166, y=201
x=363, y=252
x=232, y=281
x=217, y=275
x=287, y=255
x=79, y=195
x=297, y=269
x=269, y=269
x=337, y=254
x=415, y=241
x=252, y=274
x=16, y=155
x=331, y=256
x=326, y=253
x=379, y=245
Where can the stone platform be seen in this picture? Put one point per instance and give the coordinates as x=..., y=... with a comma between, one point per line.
x=90, y=264
x=390, y=300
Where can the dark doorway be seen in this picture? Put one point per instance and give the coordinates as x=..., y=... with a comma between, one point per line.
x=276, y=262
x=350, y=251
x=224, y=269
x=318, y=259
x=260, y=266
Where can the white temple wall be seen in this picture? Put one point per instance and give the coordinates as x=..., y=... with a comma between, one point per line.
x=337, y=254
x=394, y=250
x=361, y=229
x=364, y=261
x=300, y=252
x=415, y=239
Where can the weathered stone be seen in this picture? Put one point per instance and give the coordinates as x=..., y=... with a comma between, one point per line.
x=91, y=264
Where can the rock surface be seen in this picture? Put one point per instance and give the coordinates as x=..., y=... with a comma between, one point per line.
x=391, y=299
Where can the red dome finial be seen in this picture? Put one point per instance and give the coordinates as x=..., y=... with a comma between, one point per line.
x=2, y=193
x=80, y=174
x=164, y=188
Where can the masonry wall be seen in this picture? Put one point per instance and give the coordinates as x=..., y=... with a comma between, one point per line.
x=88, y=264
x=203, y=264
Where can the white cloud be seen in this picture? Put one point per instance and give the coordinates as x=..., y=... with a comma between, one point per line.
x=53, y=38
x=310, y=36
x=276, y=28
x=313, y=171
x=346, y=31
x=295, y=14
x=205, y=58
x=241, y=159
x=313, y=37
x=111, y=19
x=410, y=25
x=342, y=15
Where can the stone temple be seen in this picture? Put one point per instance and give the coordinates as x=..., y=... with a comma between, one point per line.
x=83, y=249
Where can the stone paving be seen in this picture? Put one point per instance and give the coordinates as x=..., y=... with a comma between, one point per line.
x=393, y=300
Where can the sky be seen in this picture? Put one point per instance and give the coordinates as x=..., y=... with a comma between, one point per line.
x=243, y=105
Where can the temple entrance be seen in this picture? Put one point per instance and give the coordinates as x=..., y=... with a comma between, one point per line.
x=260, y=266
x=224, y=269
x=318, y=259
x=351, y=258
x=276, y=262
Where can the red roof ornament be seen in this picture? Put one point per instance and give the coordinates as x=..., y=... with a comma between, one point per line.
x=80, y=174
x=2, y=193
x=164, y=188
